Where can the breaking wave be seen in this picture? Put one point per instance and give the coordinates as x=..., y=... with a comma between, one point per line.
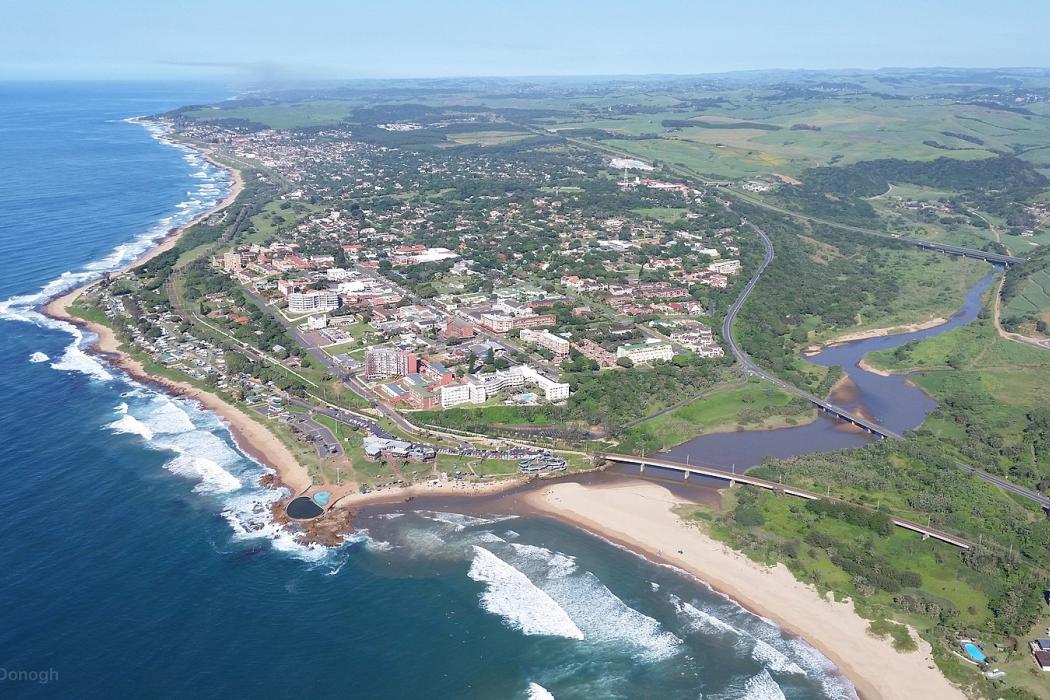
x=762, y=687
x=38, y=357
x=522, y=605
x=538, y=692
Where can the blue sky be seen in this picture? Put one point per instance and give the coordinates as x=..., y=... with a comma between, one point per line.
x=289, y=39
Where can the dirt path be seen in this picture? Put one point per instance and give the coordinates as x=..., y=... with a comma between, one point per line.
x=1016, y=337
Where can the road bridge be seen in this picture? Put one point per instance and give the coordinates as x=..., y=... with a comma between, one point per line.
x=734, y=478
x=996, y=258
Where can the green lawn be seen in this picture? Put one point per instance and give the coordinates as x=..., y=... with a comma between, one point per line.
x=754, y=406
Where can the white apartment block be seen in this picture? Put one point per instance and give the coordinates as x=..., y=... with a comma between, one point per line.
x=546, y=339
x=468, y=392
x=649, y=351
x=481, y=387
x=725, y=267
x=311, y=302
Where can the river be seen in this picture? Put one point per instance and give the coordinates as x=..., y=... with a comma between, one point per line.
x=892, y=401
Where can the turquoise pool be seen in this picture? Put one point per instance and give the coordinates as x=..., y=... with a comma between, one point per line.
x=321, y=498
x=974, y=652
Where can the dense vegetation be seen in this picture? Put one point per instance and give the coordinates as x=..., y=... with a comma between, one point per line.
x=839, y=192
x=993, y=592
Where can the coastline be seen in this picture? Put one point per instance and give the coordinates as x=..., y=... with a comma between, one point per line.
x=253, y=438
x=641, y=517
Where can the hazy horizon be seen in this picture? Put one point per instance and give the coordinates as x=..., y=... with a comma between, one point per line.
x=325, y=40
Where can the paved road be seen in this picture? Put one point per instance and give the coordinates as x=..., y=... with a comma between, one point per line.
x=333, y=367
x=749, y=366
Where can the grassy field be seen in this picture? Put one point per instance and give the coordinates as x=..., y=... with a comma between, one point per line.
x=284, y=115
x=827, y=131
x=1034, y=297
x=667, y=215
x=278, y=215
x=755, y=406
x=486, y=138
x=989, y=389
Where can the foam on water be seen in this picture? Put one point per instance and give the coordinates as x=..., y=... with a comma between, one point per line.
x=774, y=660
x=598, y=612
x=131, y=425
x=459, y=521
x=522, y=605
x=538, y=692
x=38, y=357
x=212, y=478
x=762, y=687
x=700, y=620
x=766, y=644
x=556, y=563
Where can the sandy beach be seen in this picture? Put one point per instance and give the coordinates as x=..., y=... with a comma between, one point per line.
x=250, y=435
x=641, y=517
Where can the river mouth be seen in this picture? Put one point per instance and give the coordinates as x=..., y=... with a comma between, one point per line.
x=890, y=400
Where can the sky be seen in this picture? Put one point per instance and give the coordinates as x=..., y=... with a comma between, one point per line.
x=318, y=39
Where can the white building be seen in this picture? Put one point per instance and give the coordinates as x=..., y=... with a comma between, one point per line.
x=481, y=387
x=725, y=267
x=649, y=351
x=546, y=339
x=468, y=392
x=311, y=302
x=316, y=323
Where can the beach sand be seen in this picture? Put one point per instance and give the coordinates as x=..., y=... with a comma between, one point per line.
x=250, y=435
x=641, y=517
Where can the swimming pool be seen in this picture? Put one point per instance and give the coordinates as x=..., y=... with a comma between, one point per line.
x=321, y=498
x=974, y=652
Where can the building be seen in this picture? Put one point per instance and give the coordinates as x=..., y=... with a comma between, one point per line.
x=546, y=339
x=725, y=267
x=649, y=351
x=458, y=328
x=376, y=448
x=479, y=388
x=700, y=339
x=503, y=323
x=312, y=302
x=231, y=262
x=593, y=351
x=389, y=362
x=467, y=392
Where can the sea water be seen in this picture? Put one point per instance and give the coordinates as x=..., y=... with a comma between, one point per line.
x=137, y=555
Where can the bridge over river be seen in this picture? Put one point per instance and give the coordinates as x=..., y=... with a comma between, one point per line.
x=734, y=478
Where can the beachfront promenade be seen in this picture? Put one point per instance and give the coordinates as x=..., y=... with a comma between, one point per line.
x=734, y=478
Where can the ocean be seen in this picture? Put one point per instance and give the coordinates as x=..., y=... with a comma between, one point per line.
x=137, y=556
